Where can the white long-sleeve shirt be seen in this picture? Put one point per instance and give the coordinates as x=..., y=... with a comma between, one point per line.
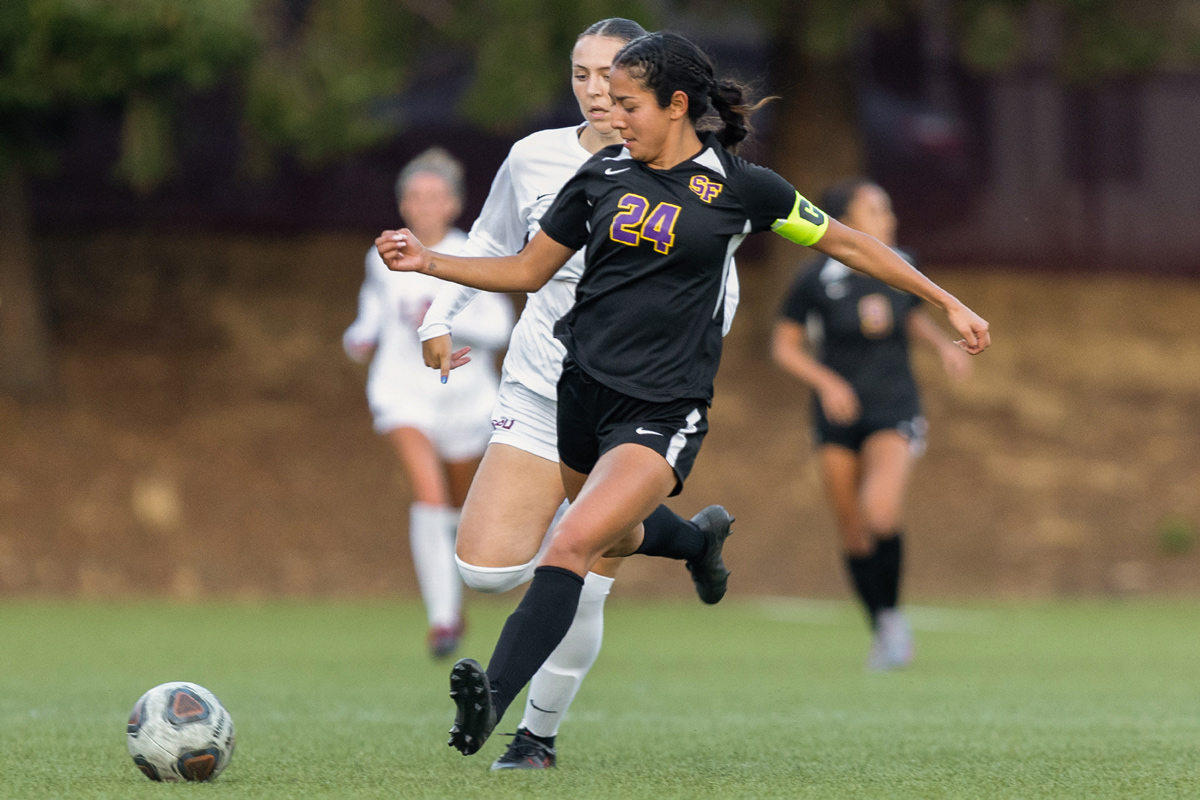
x=524, y=187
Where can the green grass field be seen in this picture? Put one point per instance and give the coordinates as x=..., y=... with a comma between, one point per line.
x=750, y=699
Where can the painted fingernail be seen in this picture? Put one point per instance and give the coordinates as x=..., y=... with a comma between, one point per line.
x=444, y=378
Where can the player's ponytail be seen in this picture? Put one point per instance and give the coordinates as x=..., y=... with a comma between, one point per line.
x=666, y=62
x=729, y=100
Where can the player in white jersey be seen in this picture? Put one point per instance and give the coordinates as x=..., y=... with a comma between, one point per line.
x=518, y=490
x=439, y=432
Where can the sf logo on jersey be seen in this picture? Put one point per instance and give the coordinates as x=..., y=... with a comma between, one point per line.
x=875, y=316
x=708, y=190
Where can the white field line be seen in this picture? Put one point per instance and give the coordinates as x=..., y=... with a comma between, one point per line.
x=814, y=611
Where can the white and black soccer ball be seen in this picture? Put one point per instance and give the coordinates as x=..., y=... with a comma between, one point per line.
x=180, y=732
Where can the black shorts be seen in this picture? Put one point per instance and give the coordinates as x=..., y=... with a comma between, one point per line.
x=912, y=427
x=593, y=419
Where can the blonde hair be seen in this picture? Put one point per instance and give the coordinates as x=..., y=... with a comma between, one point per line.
x=437, y=161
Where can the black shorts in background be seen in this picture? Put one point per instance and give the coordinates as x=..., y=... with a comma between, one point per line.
x=593, y=419
x=912, y=427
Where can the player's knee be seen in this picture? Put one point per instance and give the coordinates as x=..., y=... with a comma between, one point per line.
x=492, y=580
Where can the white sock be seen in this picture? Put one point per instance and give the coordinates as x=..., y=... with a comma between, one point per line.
x=431, y=532
x=555, y=684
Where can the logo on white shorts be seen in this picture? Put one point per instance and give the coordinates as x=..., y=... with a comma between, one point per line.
x=504, y=423
x=645, y=432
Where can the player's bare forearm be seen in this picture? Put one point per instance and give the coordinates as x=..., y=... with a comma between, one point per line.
x=526, y=271
x=788, y=352
x=868, y=254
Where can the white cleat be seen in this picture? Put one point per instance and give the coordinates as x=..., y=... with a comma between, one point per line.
x=892, y=647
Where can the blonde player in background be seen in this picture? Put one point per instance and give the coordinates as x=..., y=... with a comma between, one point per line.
x=439, y=432
x=518, y=490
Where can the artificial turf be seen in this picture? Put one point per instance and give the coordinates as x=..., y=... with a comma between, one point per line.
x=750, y=699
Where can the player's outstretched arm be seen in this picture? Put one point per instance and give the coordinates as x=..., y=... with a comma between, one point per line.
x=527, y=271
x=868, y=254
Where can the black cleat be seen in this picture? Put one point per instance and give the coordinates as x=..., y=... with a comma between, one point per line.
x=476, y=716
x=708, y=571
x=526, y=752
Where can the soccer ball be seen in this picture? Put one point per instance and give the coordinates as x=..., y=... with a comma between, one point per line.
x=180, y=732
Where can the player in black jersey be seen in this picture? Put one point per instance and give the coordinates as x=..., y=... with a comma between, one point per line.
x=867, y=418
x=660, y=217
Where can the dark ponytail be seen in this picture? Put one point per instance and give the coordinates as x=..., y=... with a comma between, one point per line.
x=729, y=100
x=665, y=63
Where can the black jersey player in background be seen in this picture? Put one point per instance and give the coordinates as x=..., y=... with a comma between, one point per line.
x=660, y=217
x=867, y=419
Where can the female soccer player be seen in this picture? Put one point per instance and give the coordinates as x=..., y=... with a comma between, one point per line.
x=867, y=418
x=439, y=432
x=660, y=217
x=518, y=489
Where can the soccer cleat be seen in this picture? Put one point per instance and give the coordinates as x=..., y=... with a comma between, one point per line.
x=708, y=571
x=475, y=718
x=526, y=752
x=892, y=647
x=444, y=639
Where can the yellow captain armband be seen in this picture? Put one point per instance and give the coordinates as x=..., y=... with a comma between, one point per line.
x=805, y=225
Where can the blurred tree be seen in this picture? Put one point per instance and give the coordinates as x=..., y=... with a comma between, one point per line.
x=813, y=55
x=522, y=50
x=310, y=73
x=313, y=74
x=56, y=55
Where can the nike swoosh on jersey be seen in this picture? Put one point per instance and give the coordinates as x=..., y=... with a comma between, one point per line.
x=611, y=171
x=645, y=432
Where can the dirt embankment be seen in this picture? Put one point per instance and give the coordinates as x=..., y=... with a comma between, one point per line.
x=212, y=439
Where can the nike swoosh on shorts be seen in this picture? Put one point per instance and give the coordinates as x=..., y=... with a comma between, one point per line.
x=645, y=432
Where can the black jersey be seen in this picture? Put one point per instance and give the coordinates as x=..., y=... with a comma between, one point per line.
x=650, y=303
x=864, y=333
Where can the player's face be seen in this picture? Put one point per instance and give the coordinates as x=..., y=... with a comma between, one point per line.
x=871, y=212
x=642, y=123
x=591, y=61
x=428, y=205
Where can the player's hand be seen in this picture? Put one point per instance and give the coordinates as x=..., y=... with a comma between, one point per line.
x=402, y=251
x=972, y=327
x=957, y=363
x=839, y=402
x=438, y=355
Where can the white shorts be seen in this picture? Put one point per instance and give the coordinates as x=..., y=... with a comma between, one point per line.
x=459, y=430
x=526, y=420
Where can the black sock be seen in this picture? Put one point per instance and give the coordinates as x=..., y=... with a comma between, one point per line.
x=669, y=535
x=532, y=631
x=546, y=740
x=863, y=574
x=889, y=557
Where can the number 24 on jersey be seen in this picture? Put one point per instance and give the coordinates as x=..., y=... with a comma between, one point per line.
x=637, y=222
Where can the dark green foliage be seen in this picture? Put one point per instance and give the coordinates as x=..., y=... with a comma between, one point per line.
x=523, y=50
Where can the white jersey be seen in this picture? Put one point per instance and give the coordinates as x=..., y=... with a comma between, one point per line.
x=400, y=388
x=523, y=189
